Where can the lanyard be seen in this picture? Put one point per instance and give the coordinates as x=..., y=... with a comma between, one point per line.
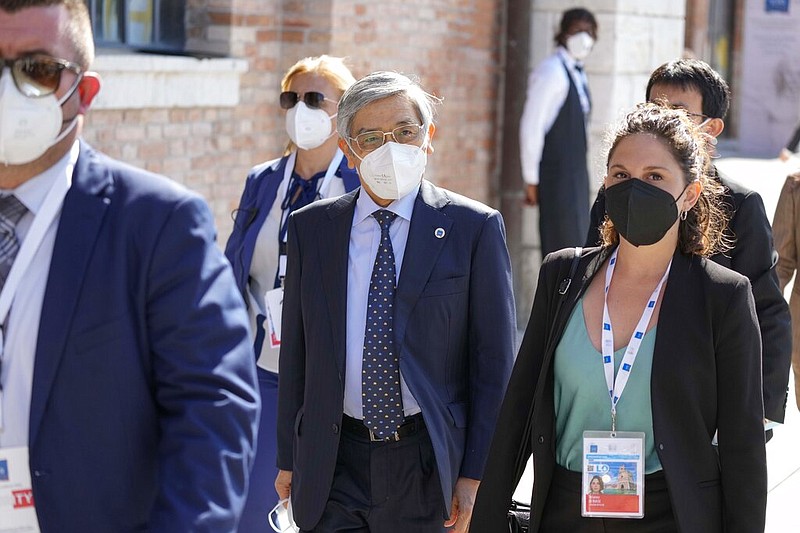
x=323, y=192
x=41, y=222
x=616, y=386
x=323, y=188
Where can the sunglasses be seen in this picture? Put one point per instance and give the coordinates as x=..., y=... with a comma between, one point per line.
x=312, y=99
x=38, y=75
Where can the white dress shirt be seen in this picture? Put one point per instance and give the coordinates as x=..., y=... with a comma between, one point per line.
x=548, y=87
x=22, y=329
x=264, y=267
x=365, y=236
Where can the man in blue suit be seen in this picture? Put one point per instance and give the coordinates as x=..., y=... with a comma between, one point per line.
x=398, y=333
x=128, y=381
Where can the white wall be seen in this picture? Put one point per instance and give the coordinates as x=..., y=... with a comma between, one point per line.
x=769, y=94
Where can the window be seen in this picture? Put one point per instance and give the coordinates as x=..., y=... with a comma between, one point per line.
x=147, y=25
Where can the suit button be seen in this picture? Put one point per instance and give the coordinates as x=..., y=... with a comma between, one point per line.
x=38, y=473
x=661, y=447
x=335, y=429
x=541, y=439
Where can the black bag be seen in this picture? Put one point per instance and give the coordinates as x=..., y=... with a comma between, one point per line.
x=519, y=517
x=519, y=514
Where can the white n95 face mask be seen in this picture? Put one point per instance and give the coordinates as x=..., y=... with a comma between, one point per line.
x=28, y=126
x=308, y=128
x=579, y=45
x=393, y=170
x=281, y=518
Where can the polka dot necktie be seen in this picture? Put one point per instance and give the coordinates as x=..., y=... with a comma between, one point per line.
x=11, y=210
x=380, y=370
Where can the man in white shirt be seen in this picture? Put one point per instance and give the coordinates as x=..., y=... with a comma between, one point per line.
x=128, y=400
x=553, y=141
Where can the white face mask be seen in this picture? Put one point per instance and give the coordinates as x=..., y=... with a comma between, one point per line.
x=393, y=170
x=308, y=128
x=281, y=518
x=28, y=126
x=579, y=45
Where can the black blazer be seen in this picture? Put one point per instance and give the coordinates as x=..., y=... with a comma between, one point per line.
x=753, y=256
x=706, y=376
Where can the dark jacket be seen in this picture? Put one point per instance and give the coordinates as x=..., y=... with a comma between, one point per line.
x=454, y=328
x=753, y=256
x=705, y=377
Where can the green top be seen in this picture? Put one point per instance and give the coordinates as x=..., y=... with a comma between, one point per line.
x=581, y=397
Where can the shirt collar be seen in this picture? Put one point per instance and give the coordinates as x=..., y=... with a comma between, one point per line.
x=402, y=207
x=568, y=60
x=33, y=192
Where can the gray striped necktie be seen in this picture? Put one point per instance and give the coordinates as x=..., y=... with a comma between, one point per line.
x=11, y=210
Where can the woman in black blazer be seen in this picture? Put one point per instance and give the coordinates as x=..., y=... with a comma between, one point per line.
x=701, y=370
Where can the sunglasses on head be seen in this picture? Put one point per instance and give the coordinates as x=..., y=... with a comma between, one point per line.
x=38, y=75
x=313, y=99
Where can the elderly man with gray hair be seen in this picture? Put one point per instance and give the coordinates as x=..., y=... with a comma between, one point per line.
x=398, y=333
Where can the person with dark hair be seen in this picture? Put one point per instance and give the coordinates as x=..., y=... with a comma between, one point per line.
x=128, y=393
x=648, y=338
x=553, y=135
x=692, y=85
x=596, y=485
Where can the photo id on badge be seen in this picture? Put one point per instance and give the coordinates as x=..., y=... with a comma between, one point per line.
x=613, y=474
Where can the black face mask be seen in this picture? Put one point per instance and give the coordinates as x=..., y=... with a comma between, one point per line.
x=641, y=213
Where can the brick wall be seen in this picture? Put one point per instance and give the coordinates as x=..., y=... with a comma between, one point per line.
x=453, y=46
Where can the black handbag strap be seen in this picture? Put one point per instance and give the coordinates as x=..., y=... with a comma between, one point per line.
x=563, y=288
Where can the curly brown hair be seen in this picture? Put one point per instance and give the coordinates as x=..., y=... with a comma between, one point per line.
x=703, y=232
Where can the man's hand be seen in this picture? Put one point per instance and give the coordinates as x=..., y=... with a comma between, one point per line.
x=283, y=484
x=463, y=501
x=532, y=195
x=784, y=155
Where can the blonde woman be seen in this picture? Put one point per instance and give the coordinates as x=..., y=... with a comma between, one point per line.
x=311, y=167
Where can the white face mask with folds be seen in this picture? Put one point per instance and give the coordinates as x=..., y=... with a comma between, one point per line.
x=28, y=126
x=308, y=128
x=579, y=45
x=393, y=170
x=281, y=518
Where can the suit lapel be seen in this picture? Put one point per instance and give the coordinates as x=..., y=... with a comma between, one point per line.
x=677, y=292
x=333, y=251
x=422, y=252
x=85, y=206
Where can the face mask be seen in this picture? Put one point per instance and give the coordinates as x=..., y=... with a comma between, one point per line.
x=28, y=126
x=393, y=170
x=281, y=518
x=579, y=45
x=308, y=128
x=641, y=213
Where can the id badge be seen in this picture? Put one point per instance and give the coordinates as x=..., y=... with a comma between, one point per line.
x=274, y=299
x=613, y=474
x=17, y=511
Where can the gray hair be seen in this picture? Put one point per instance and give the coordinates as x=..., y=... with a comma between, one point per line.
x=380, y=85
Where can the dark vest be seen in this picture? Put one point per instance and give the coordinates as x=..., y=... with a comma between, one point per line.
x=564, y=177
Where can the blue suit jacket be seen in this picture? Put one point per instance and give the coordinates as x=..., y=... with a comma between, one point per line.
x=144, y=402
x=454, y=332
x=259, y=194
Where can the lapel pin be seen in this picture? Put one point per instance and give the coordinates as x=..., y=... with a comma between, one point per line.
x=439, y=233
